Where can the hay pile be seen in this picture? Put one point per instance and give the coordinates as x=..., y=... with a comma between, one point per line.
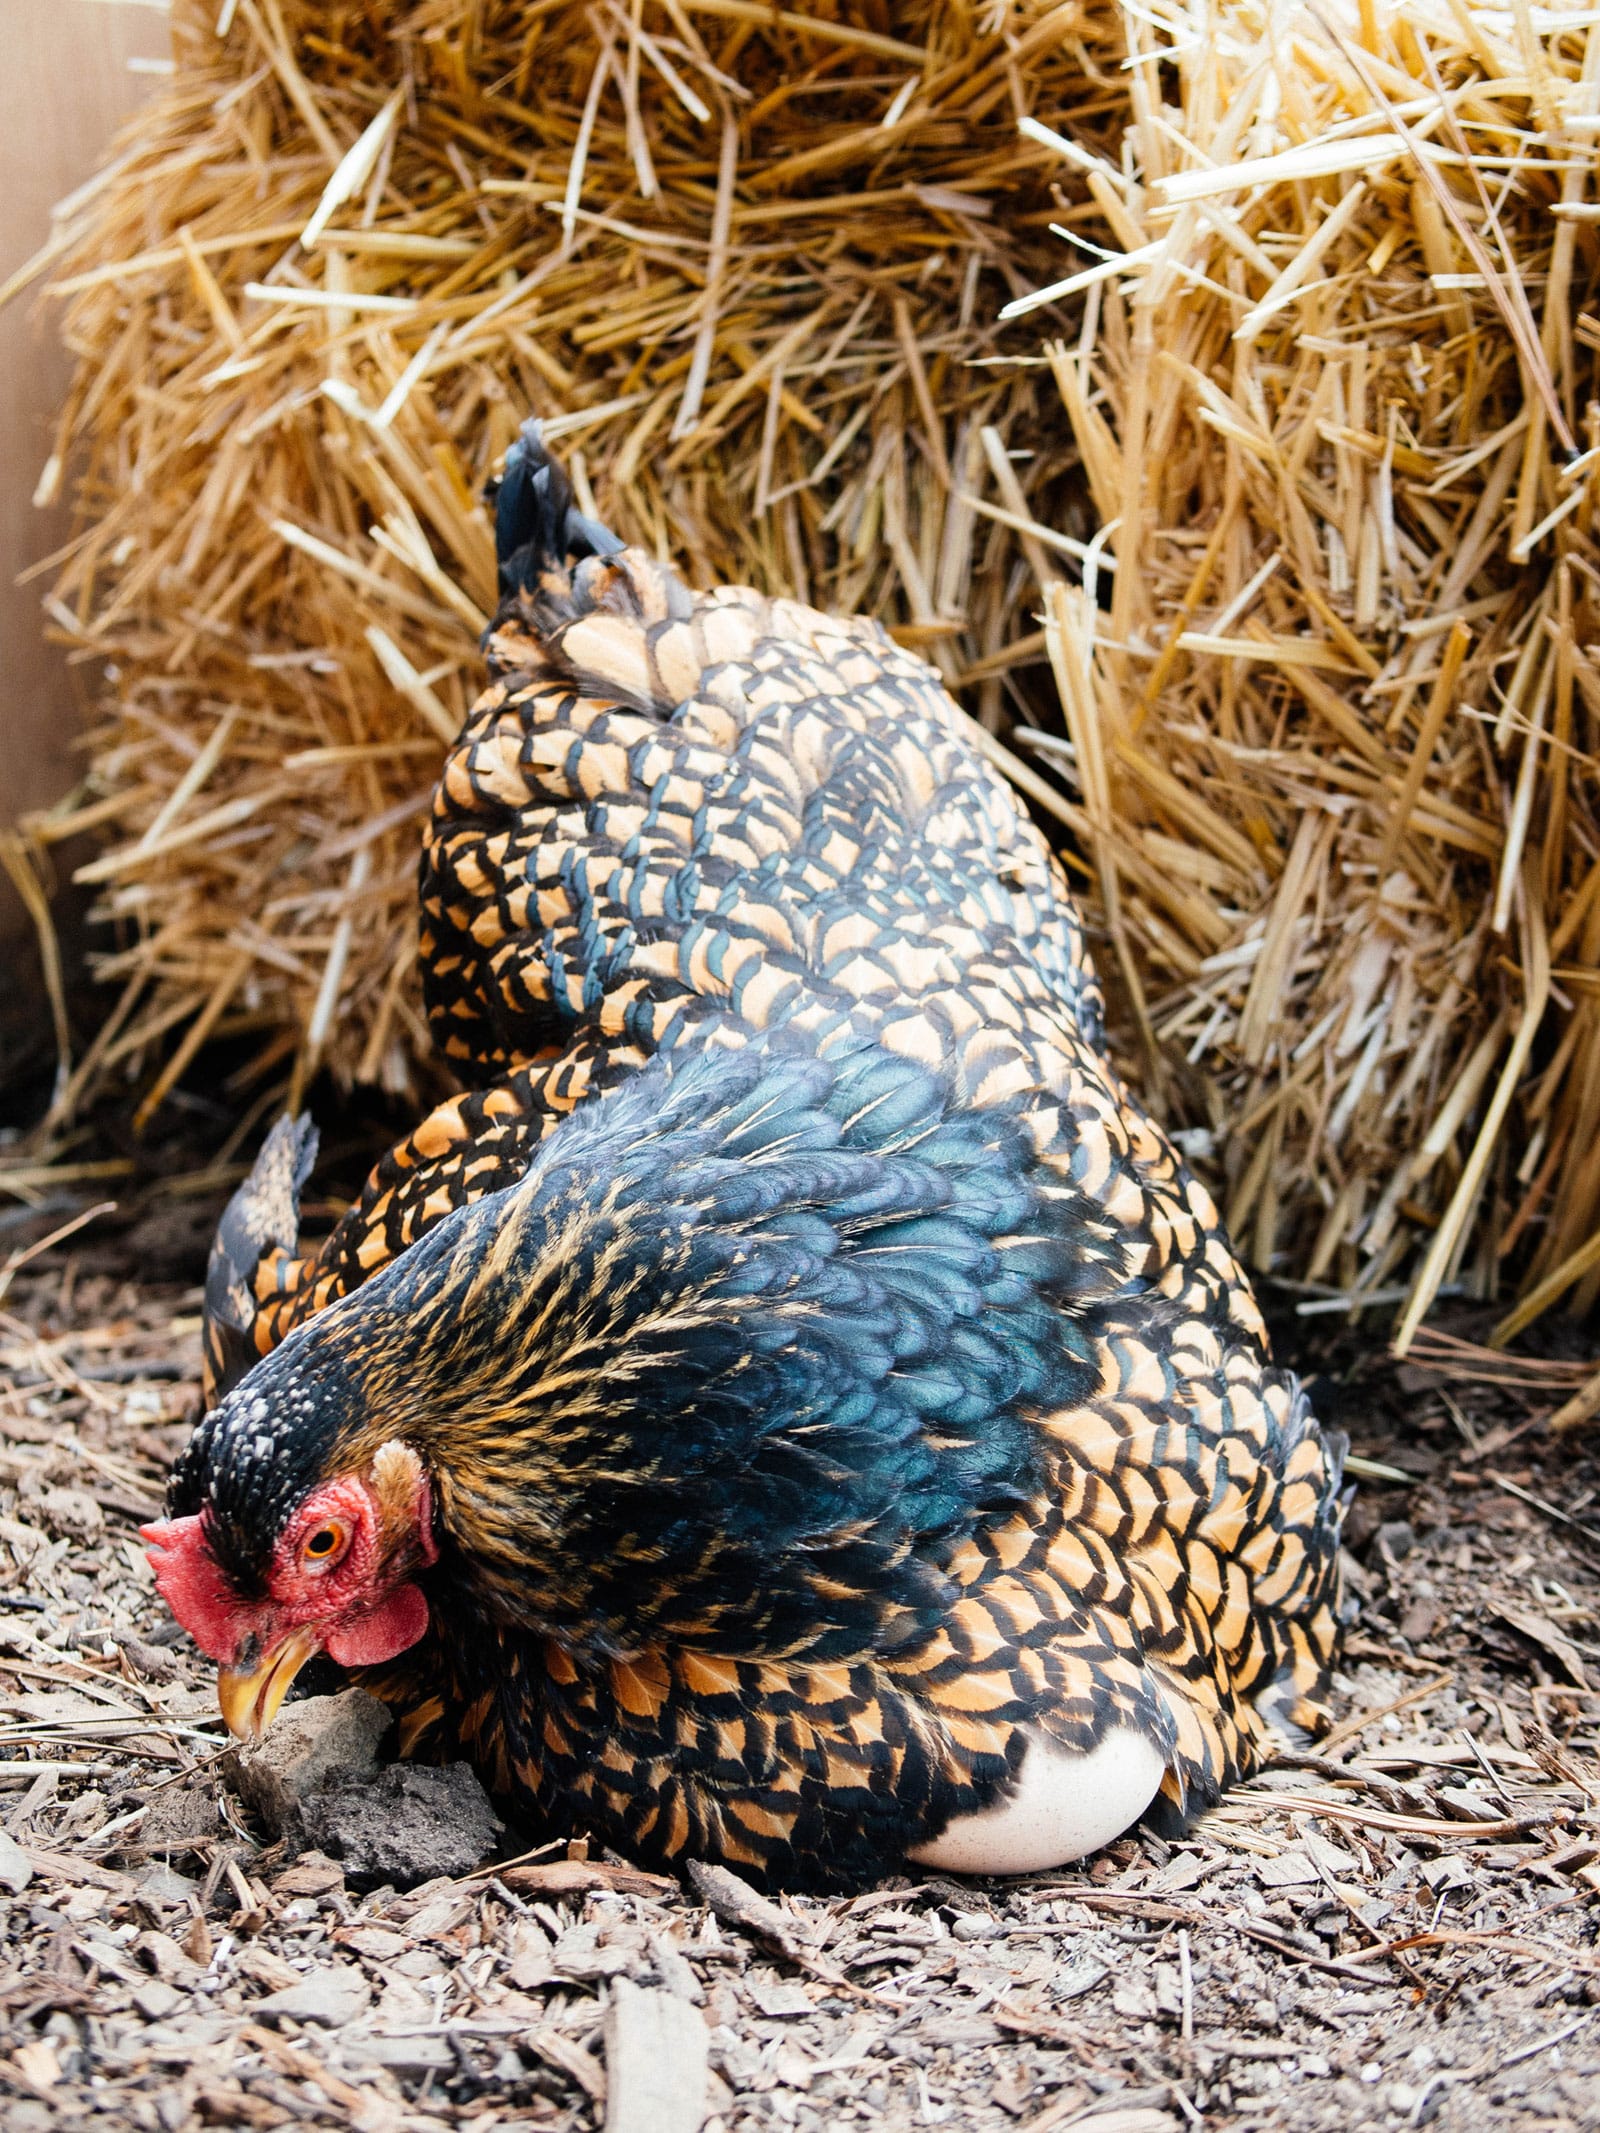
x=1336, y=732
x=1315, y=357
x=750, y=263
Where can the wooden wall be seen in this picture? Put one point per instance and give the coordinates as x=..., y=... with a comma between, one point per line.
x=65, y=86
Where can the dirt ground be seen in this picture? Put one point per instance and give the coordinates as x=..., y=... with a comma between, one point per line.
x=1397, y=1930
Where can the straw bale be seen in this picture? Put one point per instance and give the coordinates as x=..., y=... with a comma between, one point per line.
x=1335, y=729
x=1272, y=573
x=749, y=265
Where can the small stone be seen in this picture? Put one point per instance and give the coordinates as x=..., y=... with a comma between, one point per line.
x=148, y=1660
x=16, y=1868
x=163, y=1890
x=1315, y=2065
x=333, y=1996
x=1402, y=2096
x=972, y=1927
x=1395, y=1539
x=70, y=1513
x=157, y=2000
x=406, y=1825
x=314, y=1744
x=180, y=1817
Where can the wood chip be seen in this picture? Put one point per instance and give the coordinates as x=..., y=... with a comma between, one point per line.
x=656, y=2062
x=576, y=1877
x=737, y=1904
x=1540, y=1630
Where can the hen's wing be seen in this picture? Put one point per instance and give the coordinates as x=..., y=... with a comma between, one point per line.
x=1176, y=1579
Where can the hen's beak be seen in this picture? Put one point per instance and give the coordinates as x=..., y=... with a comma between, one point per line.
x=249, y=1698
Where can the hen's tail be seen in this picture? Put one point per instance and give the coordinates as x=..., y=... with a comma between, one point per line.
x=537, y=526
x=261, y=1222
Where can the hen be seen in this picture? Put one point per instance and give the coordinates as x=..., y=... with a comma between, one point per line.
x=794, y=1409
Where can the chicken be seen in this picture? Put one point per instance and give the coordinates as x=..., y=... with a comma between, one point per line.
x=793, y=1408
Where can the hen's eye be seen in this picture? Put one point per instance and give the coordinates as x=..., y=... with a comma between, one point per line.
x=326, y=1541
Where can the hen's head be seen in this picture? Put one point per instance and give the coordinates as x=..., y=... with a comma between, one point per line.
x=337, y=1575
x=751, y=1329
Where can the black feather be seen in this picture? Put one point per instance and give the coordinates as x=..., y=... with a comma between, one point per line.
x=537, y=526
x=262, y=1217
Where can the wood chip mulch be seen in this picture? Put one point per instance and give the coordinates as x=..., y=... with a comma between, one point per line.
x=1397, y=1929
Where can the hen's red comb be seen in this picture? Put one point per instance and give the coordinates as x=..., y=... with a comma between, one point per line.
x=190, y=1580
